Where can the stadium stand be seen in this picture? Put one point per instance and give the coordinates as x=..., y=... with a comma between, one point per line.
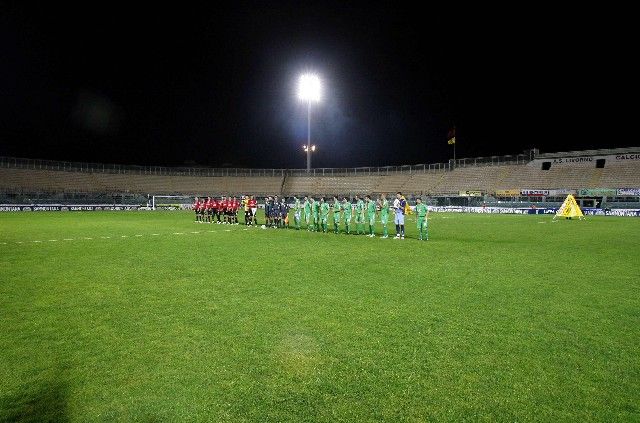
x=63, y=181
x=591, y=169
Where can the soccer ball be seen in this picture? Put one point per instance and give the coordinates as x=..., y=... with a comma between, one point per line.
x=263, y=227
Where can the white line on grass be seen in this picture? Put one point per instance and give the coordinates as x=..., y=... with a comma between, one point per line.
x=121, y=236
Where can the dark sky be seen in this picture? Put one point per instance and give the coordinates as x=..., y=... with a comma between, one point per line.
x=216, y=85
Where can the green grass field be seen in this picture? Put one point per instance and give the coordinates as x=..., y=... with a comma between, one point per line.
x=130, y=316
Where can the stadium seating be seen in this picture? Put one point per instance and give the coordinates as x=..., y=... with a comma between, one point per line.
x=486, y=178
x=62, y=181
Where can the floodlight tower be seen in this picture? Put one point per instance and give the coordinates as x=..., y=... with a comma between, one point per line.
x=309, y=91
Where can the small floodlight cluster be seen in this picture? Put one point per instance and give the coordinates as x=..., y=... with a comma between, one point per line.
x=306, y=148
x=309, y=87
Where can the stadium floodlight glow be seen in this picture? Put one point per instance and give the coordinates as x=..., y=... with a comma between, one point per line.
x=309, y=87
x=309, y=90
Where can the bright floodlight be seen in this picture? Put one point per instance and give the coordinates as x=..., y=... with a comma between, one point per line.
x=309, y=87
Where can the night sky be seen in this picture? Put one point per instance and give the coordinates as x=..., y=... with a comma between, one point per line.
x=216, y=85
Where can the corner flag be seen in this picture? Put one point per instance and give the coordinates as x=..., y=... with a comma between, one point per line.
x=569, y=209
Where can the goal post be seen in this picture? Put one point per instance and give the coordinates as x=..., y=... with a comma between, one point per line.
x=171, y=202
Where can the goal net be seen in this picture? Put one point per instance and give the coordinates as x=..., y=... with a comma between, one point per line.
x=171, y=202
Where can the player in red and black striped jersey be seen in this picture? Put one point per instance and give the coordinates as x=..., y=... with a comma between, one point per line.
x=235, y=205
x=214, y=210
x=253, y=207
x=208, y=210
x=196, y=208
x=222, y=209
x=200, y=210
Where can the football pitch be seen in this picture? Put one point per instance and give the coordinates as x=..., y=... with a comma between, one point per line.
x=147, y=316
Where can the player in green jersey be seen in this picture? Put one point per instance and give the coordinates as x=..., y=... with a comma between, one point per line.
x=371, y=215
x=384, y=215
x=313, y=215
x=346, y=210
x=422, y=216
x=336, y=215
x=297, y=212
x=307, y=211
x=324, y=214
x=316, y=216
x=359, y=216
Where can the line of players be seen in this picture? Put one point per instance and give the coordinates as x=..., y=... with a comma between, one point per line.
x=225, y=210
x=316, y=214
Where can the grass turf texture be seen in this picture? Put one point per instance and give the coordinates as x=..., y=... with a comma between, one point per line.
x=496, y=318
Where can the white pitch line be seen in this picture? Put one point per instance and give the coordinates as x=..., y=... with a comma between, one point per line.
x=121, y=236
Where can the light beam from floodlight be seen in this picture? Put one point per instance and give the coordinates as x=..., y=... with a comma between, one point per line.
x=309, y=90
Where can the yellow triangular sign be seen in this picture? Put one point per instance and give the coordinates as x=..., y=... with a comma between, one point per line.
x=569, y=209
